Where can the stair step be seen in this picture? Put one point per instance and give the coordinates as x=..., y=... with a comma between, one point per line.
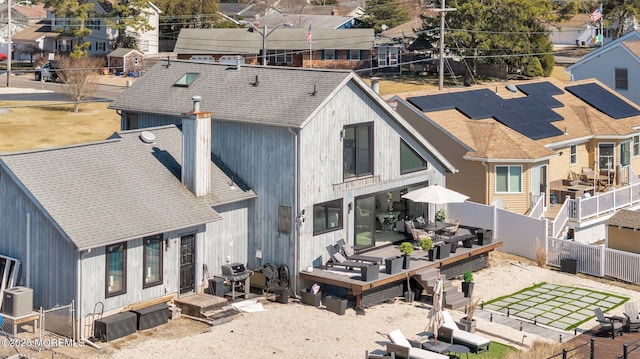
x=451, y=296
x=457, y=304
x=221, y=313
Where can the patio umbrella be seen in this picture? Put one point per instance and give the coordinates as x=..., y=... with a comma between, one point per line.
x=435, y=194
x=435, y=318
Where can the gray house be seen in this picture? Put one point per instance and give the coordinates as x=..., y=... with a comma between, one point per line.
x=617, y=65
x=326, y=155
x=124, y=221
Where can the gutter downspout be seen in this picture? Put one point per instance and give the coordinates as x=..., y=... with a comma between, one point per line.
x=79, y=295
x=28, y=264
x=296, y=210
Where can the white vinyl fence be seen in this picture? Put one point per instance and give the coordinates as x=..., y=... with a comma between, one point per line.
x=595, y=260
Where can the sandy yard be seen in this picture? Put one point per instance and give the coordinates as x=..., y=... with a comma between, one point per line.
x=300, y=331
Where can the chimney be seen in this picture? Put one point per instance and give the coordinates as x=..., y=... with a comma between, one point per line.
x=375, y=84
x=196, y=150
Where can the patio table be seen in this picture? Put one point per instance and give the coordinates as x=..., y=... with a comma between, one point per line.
x=436, y=227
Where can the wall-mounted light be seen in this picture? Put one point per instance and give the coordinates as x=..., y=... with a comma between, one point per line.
x=341, y=135
x=350, y=206
x=560, y=153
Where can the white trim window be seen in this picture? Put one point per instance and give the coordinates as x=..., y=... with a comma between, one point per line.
x=636, y=145
x=573, y=156
x=508, y=179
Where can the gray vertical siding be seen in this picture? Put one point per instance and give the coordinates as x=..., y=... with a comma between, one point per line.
x=264, y=158
x=321, y=173
x=52, y=266
x=228, y=237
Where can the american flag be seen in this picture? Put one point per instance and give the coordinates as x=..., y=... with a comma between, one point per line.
x=309, y=39
x=597, y=14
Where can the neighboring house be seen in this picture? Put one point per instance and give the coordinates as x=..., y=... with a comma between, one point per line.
x=617, y=65
x=124, y=221
x=623, y=231
x=102, y=35
x=33, y=40
x=342, y=49
x=302, y=21
x=237, y=11
x=514, y=145
x=325, y=154
x=576, y=31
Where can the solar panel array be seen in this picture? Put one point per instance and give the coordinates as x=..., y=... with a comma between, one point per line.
x=531, y=115
x=603, y=100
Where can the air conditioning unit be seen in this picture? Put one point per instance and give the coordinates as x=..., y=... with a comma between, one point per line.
x=18, y=301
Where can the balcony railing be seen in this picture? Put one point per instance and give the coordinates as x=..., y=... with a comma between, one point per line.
x=582, y=209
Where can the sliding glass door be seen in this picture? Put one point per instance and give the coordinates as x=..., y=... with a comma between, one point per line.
x=365, y=225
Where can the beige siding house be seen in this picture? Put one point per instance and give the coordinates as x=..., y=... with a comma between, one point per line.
x=541, y=140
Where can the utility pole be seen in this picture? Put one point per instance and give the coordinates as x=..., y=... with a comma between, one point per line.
x=442, y=12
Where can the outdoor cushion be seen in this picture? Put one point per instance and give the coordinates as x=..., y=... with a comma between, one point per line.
x=398, y=338
x=348, y=250
x=475, y=342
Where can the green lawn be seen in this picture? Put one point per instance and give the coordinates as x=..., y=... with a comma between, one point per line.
x=496, y=351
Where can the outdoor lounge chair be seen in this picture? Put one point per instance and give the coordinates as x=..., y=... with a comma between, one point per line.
x=608, y=324
x=350, y=255
x=338, y=259
x=633, y=320
x=450, y=332
x=403, y=348
x=453, y=230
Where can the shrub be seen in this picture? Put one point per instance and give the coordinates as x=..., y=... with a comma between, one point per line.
x=541, y=252
x=426, y=243
x=406, y=248
x=467, y=276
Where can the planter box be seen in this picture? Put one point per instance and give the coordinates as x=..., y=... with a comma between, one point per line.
x=469, y=326
x=311, y=299
x=406, y=259
x=467, y=289
x=485, y=236
x=393, y=265
x=431, y=254
x=370, y=272
x=443, y=251
x=569, y=265
x=335, y=304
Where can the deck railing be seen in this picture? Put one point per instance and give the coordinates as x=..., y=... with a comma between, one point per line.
x=581, y=209
x=558, y=223
x=537, y=210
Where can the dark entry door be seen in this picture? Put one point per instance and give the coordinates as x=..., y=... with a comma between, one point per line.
x=187, y=263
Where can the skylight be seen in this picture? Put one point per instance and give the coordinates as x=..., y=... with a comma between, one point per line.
x=186, y=79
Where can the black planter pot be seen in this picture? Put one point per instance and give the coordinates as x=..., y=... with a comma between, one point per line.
x=393, y=265
x=405, y=261
x=467, y=288
x=443, y=251
x=431, y=254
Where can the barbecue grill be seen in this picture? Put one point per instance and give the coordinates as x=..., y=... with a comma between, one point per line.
x=238, y=277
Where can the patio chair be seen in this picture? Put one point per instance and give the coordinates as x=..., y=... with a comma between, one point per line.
x=403, y=348
x=633, y=319
x=449, y=331
x=349, y=253
x=453, y=230
x=338, y=259
x=609, y=324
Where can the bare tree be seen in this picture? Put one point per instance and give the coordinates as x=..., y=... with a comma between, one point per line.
x=79, y=75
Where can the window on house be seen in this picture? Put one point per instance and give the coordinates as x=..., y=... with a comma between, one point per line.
x=358, y=150
x=625, y=153
x=186, y=79
x=509, y=179
x=636, y=145
x=100, y=46
x=328, y=54
x=116, y=273
x=152, y=261
x=145, y=45
x=131, y=121
x=93, y=24
x=327, y=217
x=277, y=57
x=353, y=55
x=410, y=161
x=574, y=154
x=621, y=79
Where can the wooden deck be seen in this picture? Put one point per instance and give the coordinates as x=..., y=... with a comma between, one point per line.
x=350, y=279
x=605, y=347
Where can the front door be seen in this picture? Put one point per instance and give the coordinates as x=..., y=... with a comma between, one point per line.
x=539, y=183
x=187, y=263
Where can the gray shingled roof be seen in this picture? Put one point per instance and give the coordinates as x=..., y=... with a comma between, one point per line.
x=283, y=96
x=302, y=21
x=119, y=189
x=626, y=219
x=245, y=41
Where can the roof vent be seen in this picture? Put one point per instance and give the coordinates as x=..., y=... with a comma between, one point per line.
x=512, y=88
x=147, y=137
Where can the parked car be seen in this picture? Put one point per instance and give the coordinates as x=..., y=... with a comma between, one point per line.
x=3, y=57
x=48, y=71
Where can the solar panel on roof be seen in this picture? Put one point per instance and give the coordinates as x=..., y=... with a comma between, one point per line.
x=428, y=103
x=547, y=101
x=540, y=88
x=603, y=100
x=473, y=110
